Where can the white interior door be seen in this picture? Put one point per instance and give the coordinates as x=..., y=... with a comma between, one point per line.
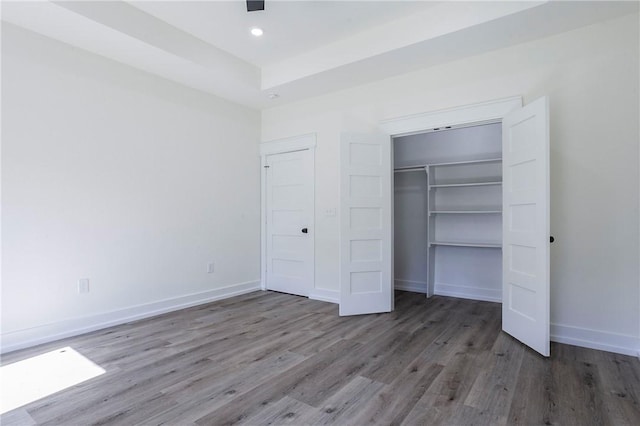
x=366, y=223
x=525, y=252
x=289, y=206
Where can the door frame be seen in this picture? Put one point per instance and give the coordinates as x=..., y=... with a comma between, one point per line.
x=473, y=114
x=281, y=146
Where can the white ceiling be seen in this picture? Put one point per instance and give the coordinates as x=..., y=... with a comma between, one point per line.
x=291, y=27
x=309, y=47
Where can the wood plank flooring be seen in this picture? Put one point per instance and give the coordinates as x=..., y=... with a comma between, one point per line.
x=267, y=358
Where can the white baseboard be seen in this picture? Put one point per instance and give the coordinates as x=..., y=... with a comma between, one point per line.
x=463, y=292
x=570, y=335
x=408, y=285
x=595, y=339
x=577, y=336
x=331, y=296
x=21, y=339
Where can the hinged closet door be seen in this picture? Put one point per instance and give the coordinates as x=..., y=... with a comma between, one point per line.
x=525, y=253
x=366, y=279
x=290, y=228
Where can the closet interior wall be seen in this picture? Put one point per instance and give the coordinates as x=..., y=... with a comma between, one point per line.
x=448, y=212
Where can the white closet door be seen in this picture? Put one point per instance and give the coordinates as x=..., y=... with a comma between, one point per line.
x=289, y=193
x=525, y=150
x=366, y=278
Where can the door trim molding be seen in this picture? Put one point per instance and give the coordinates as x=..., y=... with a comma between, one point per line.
x=466, y=114
x=294, y=143
x=281, y=146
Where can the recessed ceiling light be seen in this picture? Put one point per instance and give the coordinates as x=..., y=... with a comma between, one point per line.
x=273, y=96
x=257, y=31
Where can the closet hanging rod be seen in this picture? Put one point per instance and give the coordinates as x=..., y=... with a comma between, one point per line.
x=410, y=169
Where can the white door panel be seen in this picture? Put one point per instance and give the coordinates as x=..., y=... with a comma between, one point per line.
x=289, y=203
x=366, y=225
x=525, y=306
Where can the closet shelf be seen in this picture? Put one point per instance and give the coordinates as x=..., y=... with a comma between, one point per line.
x=480, y=211
x=455, y=185
x=466, y=244
x=421, y=167
x=458, y=163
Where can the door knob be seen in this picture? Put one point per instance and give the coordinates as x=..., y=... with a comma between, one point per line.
x=305, y=230
x=551, y=239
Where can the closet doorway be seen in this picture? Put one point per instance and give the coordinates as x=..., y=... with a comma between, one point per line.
x=459, y=186
x=448, y=212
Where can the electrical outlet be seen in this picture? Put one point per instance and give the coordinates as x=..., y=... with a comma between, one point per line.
x=83, y=285
x=210, y=268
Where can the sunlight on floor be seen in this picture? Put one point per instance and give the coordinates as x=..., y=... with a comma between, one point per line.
x=31, y=379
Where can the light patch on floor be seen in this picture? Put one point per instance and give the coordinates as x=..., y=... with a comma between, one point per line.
x=31, y=379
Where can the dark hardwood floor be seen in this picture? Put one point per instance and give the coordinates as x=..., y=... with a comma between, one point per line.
x=270, y=358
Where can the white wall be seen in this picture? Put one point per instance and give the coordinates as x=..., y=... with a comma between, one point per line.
x=121, y=177
x=410, y=231
x=591, y=76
